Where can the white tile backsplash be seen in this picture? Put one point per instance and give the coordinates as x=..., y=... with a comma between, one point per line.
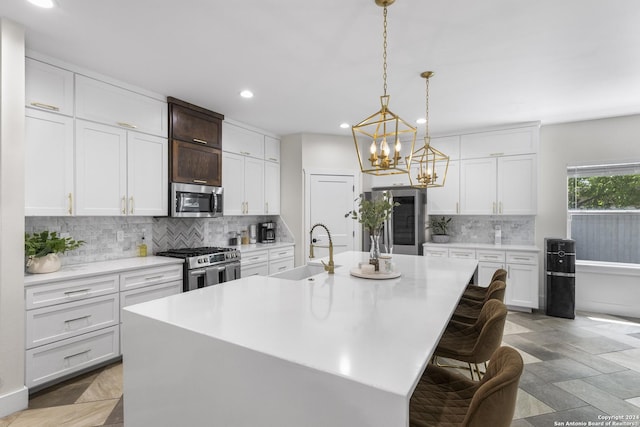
x=515, y=230
x=99, y=233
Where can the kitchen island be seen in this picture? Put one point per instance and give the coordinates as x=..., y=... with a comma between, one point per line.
x=328, y=350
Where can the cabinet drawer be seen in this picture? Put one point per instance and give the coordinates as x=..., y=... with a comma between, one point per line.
x=462, y=253
x=281, y=265
x=254, y=258
x=70, y=290
x=137, y=296
x=522, y=258
x=150, y=276
x=51, y=361
x=436, y=252
x=275, y=254
x=112, y=105
x=489, y=255
x=255, y=270
x=48, y=324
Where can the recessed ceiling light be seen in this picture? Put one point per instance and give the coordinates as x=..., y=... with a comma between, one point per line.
x=421, y=121
x=45, y=4
x=344, y=125
x=246, y=94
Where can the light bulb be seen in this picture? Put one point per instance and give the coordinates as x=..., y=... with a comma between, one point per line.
x=372, y=148
x=385, y=147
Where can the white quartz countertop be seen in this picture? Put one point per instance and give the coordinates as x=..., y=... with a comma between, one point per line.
x=263, y=246
x=528, y=248
x=377, y=332
x=100, y=267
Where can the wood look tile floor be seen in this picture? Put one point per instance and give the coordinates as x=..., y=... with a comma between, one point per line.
x=575, y=371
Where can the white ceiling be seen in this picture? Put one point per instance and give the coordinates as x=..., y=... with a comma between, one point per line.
x=314, y=65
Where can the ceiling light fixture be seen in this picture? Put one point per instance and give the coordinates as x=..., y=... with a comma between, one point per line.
x=344, y=125
x=377, y=138
x=426, y=159
x=246, y=94
x=45, y=4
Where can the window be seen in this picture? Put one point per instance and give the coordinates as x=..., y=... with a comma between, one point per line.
x=604, y=211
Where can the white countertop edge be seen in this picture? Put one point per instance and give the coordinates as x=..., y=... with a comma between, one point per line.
x=101, y=267
x=263, y=246
x=528, y=248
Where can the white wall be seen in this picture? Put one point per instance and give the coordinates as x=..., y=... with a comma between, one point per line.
x=13, y=393
x=302, y=152
x=611, y=139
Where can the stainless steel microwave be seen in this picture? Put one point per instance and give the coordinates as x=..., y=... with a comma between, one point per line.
x=189, y=200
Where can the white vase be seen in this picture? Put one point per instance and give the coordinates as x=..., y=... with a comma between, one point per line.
x=46, y=264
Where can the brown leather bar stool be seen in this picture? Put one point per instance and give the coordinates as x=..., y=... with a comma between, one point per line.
x=477, y=293
x=446, y=398
x=468, y=311
x=474, y=344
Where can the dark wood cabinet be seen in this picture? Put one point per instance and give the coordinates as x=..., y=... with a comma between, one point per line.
x=196, y=144
x=196, y=163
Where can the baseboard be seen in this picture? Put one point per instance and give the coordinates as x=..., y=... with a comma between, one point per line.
x=14, y=401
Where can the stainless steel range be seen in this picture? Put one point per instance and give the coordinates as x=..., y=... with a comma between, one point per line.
x=207, y=266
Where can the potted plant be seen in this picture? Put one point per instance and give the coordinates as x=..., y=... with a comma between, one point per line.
x=439, y=230
x=372, y=214
x=42, y=249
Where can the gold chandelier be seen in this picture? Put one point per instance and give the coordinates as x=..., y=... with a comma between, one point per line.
x=427, y=161
x=377, y=138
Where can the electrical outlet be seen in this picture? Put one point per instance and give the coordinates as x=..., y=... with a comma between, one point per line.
x=120, y=236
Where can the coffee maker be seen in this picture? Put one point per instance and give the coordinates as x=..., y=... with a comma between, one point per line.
x=267, y=232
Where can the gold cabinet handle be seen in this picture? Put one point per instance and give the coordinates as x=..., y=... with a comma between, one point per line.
x=131, y=205
x=457, y=207
x=245, y=153
x=200, y=141
x=45, y=106
x=70, y=203
x=127, y=125
x=500, y=207
x=124, y=205
x=266, y=207
x=494, y=207
x=199, y=181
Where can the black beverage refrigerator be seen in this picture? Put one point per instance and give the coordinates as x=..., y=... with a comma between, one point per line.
x=560, y=269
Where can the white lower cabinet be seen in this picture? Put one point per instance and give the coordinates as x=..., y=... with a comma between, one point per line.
x=265, y=262
x=522, y=279
x=73, y=324
x=281, y=259
x=521, y=266
x=52, y=361
x=254, y=263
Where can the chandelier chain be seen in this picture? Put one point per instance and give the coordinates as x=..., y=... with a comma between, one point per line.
x=384, y=51
x=426, y=116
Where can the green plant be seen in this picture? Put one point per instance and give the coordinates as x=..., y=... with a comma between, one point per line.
x=439, y=226
x=373, y=213
x=44, y=243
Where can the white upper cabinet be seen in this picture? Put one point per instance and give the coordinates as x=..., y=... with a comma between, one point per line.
x=517, y=189
x=48, y=164
x=271, y=188
x=119, y=172
x=148, y=174
x=505, y=142
x=478, y=190
x=271, y=149
x=498, y=186
x=48, y=88
x=236, y=139
x=446, y=200
x=101, y=169
x=109, y=104
x=243, y=179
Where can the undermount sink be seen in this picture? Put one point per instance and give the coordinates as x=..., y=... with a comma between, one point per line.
x=301, y=273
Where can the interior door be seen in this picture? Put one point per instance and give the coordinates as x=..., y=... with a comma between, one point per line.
x=330, y=198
